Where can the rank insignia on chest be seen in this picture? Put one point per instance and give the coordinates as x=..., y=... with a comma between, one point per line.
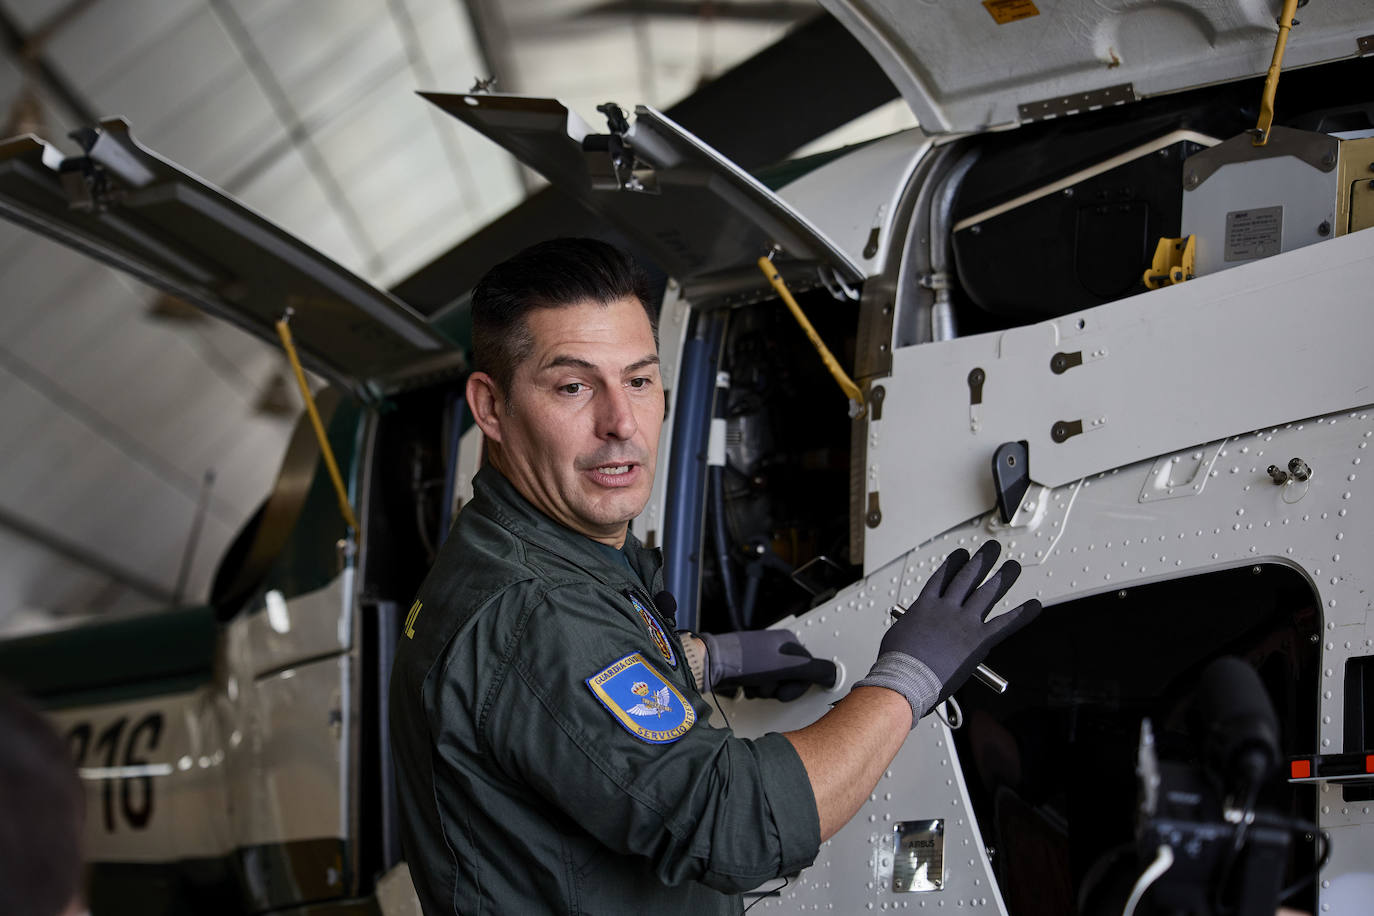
x=656, y=632
x=645, y=703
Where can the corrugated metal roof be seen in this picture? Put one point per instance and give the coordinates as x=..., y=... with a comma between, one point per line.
x=113, y=413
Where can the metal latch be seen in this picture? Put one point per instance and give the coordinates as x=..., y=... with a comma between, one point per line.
x=611, y=160
x=874, y=517
x=86, y=183
x=1010, y=476
x=1064, y=430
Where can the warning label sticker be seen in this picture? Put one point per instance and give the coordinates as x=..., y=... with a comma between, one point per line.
x=1004, y=11
x=1253, y=234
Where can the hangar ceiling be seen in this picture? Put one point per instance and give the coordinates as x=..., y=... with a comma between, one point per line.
x=136, y=435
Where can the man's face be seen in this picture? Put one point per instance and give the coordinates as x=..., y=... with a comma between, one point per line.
x=578, y=431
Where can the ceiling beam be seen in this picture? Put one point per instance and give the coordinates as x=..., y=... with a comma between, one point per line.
x=27, y=52
x=492, y=36
x=81, y=556
x=464, y=181
x=301, y=138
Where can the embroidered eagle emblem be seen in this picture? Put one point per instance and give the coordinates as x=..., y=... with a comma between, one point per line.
x=642, y=700
x=656, y=705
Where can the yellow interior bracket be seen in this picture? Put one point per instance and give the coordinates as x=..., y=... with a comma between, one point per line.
x=851, y=390
x=284, y=332
x=1174, y=262
x=1271, y=80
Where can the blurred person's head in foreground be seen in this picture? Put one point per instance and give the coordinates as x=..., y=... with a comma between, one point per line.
x=42, y=808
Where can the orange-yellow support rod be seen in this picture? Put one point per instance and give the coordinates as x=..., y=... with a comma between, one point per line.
x=284, y=332
x=1271, y=80
x=846, y=384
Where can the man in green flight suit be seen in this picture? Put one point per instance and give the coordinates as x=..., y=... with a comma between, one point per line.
x=548, y=726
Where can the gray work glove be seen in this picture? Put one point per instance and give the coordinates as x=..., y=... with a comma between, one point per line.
x=932, y=649
x=766, y=663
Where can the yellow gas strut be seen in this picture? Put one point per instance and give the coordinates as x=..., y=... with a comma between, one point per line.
x=846, y=384
x=1271, y=80
x=284, y=331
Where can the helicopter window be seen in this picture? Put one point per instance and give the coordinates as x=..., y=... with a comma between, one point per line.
x=1050, y=765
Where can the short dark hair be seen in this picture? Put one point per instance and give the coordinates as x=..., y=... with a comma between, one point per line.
x=552, y=274
x=44, y=807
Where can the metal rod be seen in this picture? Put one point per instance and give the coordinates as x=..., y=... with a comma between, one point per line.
x=842, y=378
x=189, y=553
x=1271, y=79
x=326, y=451
x=994, y=681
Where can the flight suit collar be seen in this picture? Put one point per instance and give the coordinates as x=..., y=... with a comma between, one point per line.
x=497, y=496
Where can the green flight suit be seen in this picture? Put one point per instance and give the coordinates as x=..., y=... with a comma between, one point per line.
x=552, y=753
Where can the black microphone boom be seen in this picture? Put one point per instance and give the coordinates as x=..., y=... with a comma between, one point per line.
x=1236, y=728
x=667, y=605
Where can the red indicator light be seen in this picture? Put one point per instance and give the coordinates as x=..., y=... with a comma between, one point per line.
x=1302, y=769
x=1369, y=763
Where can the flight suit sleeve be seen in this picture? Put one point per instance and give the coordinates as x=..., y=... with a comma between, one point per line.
x=581, y=716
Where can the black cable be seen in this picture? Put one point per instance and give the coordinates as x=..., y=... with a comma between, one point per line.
x=720, y=535
x=1293, y=826
x=1325, y=837
x=1232, y=856
x=726, y=719
x=706, y=676
x=786, y=880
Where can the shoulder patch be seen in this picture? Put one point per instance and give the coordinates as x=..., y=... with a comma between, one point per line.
x=647, y=705
x=656, y=632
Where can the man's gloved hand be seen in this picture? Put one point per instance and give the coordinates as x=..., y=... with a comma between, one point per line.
x=766, y=663
x=931, y=650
